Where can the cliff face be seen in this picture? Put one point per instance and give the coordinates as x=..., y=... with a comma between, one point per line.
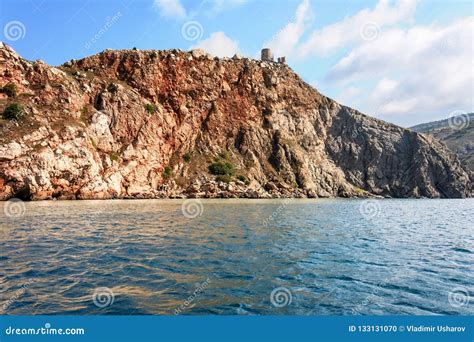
x=146, y=124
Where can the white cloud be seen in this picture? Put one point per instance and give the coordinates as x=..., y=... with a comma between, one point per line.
x=349, y=93
x=351, y=30
x=218, y=44
x=391, y=67
x=174, y=9
x=171, y=8
x=425, y=71
x=223, y=5
x=385, y=87
x=363, y=26
x=283, y=43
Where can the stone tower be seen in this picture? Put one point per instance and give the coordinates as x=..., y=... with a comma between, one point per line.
x=267, y=55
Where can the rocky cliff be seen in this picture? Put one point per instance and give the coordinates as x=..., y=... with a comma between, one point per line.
x=148, y=124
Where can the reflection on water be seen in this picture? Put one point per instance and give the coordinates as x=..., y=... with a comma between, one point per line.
x=407, y=257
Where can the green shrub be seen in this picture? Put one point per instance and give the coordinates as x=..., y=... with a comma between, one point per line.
x=223, y=178
x=13, y=112
x=187, y=157
x=9, y=89
x=167, y=172
x=112, y=87
x=85, y=114
x=220, y=168
x=224, y=155
x=242, y=178
x=113, y=156
x=150, y=108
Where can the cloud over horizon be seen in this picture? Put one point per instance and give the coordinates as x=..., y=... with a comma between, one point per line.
x=218, y=44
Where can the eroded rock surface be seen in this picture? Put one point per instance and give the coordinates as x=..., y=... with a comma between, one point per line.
x=147, y=124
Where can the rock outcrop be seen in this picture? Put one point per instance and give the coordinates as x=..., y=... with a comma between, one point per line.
x=149, y=124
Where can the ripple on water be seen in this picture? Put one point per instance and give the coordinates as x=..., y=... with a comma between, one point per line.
x=332, y=260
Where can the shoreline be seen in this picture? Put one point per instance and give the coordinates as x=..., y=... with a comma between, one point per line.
x=226, y=199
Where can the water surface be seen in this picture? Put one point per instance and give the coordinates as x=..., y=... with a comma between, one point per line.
x=332, y=257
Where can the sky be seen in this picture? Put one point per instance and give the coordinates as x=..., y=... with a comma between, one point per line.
x=402, y=61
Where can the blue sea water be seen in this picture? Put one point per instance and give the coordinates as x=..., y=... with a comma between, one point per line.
x=238, y=257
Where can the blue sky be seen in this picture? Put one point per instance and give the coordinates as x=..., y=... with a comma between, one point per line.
x=404, y=61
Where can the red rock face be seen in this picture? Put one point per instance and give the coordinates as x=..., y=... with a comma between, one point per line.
x=147, y=124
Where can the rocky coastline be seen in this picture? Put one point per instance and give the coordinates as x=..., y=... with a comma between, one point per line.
x=176, y=124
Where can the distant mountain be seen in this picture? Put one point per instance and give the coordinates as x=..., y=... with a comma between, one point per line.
x=456, y=132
